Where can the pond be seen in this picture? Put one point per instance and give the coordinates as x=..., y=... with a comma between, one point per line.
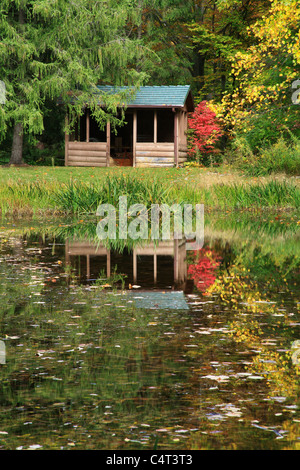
x=150, y=346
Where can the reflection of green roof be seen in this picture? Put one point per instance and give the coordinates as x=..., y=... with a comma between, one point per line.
x=156, y=96
x=160, y=300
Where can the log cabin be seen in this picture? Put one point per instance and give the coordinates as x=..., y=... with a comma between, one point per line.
x=154, y=134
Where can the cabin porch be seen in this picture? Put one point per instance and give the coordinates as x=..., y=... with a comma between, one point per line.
x=153, y=135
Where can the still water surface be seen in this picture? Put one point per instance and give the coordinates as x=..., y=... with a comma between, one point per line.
x=131, y=349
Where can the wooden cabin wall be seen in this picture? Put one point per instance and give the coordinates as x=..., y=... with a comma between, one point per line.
x=154, y=155
x=86, y=153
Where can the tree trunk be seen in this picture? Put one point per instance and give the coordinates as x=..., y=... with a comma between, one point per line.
x=140, y=8
x=199, y=68
x=16, y=157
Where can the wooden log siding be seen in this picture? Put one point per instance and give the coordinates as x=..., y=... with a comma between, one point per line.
x=154, y=155
x=87, y=153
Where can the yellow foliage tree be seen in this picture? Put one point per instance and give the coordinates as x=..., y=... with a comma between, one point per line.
x=264, y=74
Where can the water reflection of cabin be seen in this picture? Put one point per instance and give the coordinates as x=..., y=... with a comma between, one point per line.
x=154, y=134
x=167, y=258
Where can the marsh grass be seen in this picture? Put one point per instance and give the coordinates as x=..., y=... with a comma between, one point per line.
x=86, y=198
x=26, y=198
x=83, y=196
x=271, y=194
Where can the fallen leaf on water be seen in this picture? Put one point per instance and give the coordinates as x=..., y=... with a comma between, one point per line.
x=218, y=378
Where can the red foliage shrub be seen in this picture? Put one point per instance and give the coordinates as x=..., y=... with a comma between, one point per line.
x=204, y=130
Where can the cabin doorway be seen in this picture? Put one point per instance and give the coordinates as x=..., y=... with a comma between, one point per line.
x=121, y=143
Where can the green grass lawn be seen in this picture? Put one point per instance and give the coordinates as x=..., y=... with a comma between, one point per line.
x=195, y=176
x=32, y=190
x=53, y=175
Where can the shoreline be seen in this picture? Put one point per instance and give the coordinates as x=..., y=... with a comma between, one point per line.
x=32, y=191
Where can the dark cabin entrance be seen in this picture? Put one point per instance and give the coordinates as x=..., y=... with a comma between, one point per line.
x=121, y=143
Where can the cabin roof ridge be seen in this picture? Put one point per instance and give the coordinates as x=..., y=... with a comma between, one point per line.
x=154, y=95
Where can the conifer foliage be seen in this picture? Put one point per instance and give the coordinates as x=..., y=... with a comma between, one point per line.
x=51, y=48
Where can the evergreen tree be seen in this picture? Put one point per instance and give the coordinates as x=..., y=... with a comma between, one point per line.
x=61, y=48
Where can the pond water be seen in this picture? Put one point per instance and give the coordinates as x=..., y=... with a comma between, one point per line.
x=150, y=347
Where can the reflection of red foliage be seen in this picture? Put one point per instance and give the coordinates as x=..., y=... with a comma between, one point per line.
x=203, y=272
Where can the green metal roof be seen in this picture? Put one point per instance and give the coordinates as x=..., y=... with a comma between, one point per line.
x=173, y=96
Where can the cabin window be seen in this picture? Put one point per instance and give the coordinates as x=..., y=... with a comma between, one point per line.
x=96, y=134
x=165, y=125
x=145, y=125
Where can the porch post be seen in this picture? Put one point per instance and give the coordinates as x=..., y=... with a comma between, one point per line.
x=176, y=138
x=88, y=270
x=134, y=137
x=176, y=273
x=107, y=143
x=66, y=141
x=155, y=127
x=108, y=264
x=134, y=266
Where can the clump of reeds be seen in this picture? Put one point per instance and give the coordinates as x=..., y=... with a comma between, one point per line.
x=271, y=194
x=24, y=198
x=77, y=197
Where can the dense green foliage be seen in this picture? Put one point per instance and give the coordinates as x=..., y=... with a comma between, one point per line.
x=243, y=56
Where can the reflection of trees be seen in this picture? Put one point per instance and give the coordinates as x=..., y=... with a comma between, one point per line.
x=234, y=287
x=275, y=366
x=263, y=242
x=254, y=318
x=255, y=322
x=85, y=355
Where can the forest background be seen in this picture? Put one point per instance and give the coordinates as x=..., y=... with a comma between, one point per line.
x=241, y=58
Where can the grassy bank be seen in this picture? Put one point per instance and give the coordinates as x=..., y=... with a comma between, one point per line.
x=41, y=190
